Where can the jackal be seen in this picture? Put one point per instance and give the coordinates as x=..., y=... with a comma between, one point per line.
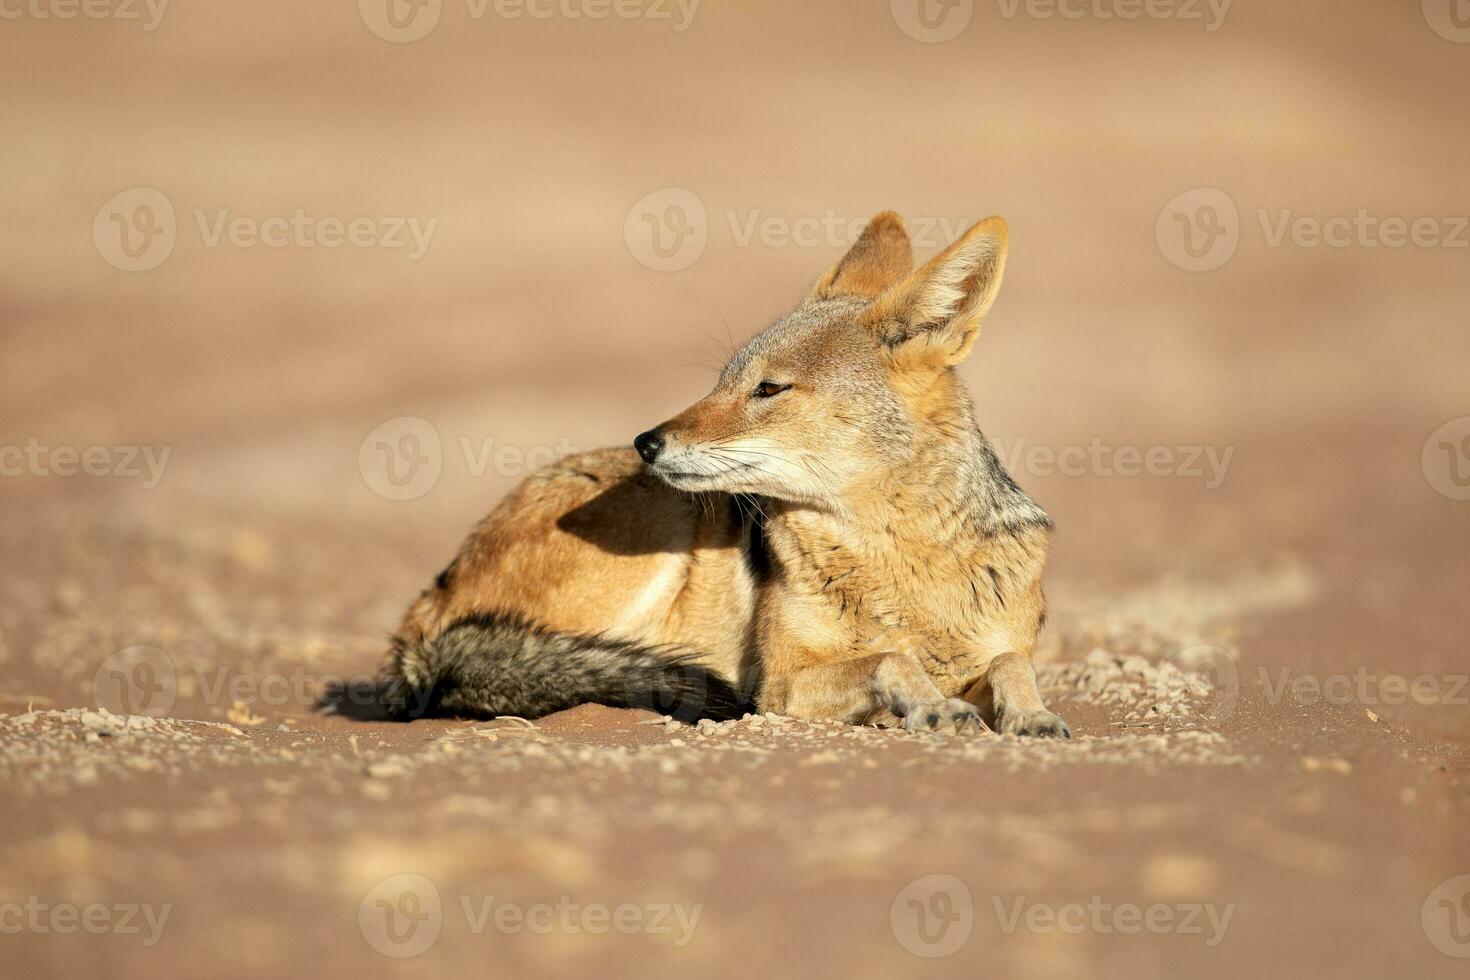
x=826, y=535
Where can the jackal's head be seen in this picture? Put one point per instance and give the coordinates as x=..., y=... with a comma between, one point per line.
x=855, y=384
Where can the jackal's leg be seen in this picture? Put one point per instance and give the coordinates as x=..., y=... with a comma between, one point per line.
x=1010, y=686
x=855, y=690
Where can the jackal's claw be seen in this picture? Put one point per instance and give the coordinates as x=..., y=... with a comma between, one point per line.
x=934, y=716
x=1038, y=724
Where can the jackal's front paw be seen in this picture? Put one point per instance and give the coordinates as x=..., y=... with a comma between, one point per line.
x=935, y=716
x=1040, y=724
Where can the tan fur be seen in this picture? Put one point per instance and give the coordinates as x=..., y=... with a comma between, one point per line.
x=581, y=542
x=905, y=569
x=880, y=256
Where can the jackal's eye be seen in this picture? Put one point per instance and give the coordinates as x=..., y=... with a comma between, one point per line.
x=769, y=389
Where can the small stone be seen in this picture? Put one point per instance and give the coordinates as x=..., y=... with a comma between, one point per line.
x=1334, y=764
x=386, y=769
x=102, y=723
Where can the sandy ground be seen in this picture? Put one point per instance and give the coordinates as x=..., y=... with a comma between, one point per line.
x=1260, y=641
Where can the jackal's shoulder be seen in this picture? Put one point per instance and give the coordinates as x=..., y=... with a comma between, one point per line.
x=592, y=485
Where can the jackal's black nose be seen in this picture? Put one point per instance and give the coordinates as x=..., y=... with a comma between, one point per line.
x=649, y=444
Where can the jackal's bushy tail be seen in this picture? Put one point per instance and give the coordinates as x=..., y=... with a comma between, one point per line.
x=489, y=665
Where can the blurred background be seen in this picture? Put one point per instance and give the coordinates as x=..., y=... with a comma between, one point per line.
x=291, y=294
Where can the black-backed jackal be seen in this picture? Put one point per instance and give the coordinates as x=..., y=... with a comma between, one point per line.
x=826, y=535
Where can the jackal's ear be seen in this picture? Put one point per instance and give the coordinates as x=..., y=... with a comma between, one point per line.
x=933, y=316
x=879, y=258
